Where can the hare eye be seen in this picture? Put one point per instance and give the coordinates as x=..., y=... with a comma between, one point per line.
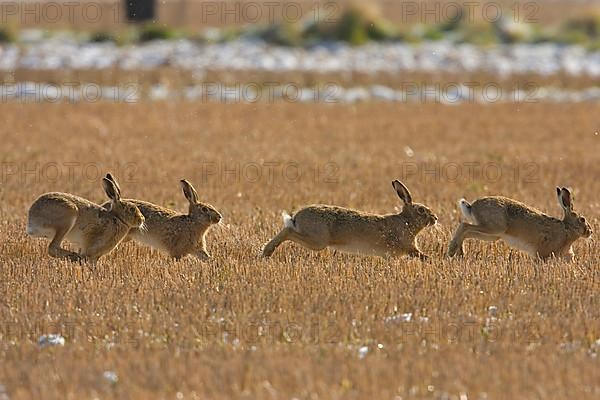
x=581, y=219
x=204, y=209
x=421, y=210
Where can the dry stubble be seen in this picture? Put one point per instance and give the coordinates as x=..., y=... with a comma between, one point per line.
x=167, y=327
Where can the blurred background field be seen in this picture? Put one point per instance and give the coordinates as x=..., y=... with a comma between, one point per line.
x=195, y=15
x=552, y=43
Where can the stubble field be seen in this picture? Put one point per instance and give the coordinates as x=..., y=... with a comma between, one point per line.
x=495, y=325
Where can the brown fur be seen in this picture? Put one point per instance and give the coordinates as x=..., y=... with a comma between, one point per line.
x=319, y=226
x=494, y=218
x=173, y=232
x=96, y=230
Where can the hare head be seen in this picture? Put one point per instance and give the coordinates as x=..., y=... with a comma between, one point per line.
x=201, y=211
x=571, y=219
x=419, y=214
x=124, y=210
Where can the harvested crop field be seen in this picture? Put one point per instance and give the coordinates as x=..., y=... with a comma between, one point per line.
x=307, y=325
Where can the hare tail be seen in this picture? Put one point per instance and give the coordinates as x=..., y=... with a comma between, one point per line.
x=466, y=210
x=288, y=221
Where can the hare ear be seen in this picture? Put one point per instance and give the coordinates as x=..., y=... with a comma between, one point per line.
x=189, y=192
x=113, y=180
x=111, y=190
x=402, y=191
x=565, y=199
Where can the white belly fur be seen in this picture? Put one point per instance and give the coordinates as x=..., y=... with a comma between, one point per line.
x=358, y=248
x=75, y=236
x=149, y=240
x=35, y=231
x=519, y=244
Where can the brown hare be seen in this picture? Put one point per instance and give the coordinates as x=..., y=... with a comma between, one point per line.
x=97, y=231
x=319, y=226
x=172, y=232
x=521, y=226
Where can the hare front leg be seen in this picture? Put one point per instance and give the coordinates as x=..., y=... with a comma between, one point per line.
x=569, y=255
x=414, y=252
x=201, y=254
x=200, y=251
x=92, y=253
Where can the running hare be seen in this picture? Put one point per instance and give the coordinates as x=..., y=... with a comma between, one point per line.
x=523, y=227
x=175, y=233
x=97, y=231
x=319, y=226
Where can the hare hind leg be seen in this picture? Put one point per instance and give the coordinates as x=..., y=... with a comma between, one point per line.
x=281, y=237
x=295, y=236
x=455, y=247
x=307, y=241
x=54, y=249
x=468, y=231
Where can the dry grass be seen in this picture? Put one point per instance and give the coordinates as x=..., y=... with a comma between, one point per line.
x=160, y=325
